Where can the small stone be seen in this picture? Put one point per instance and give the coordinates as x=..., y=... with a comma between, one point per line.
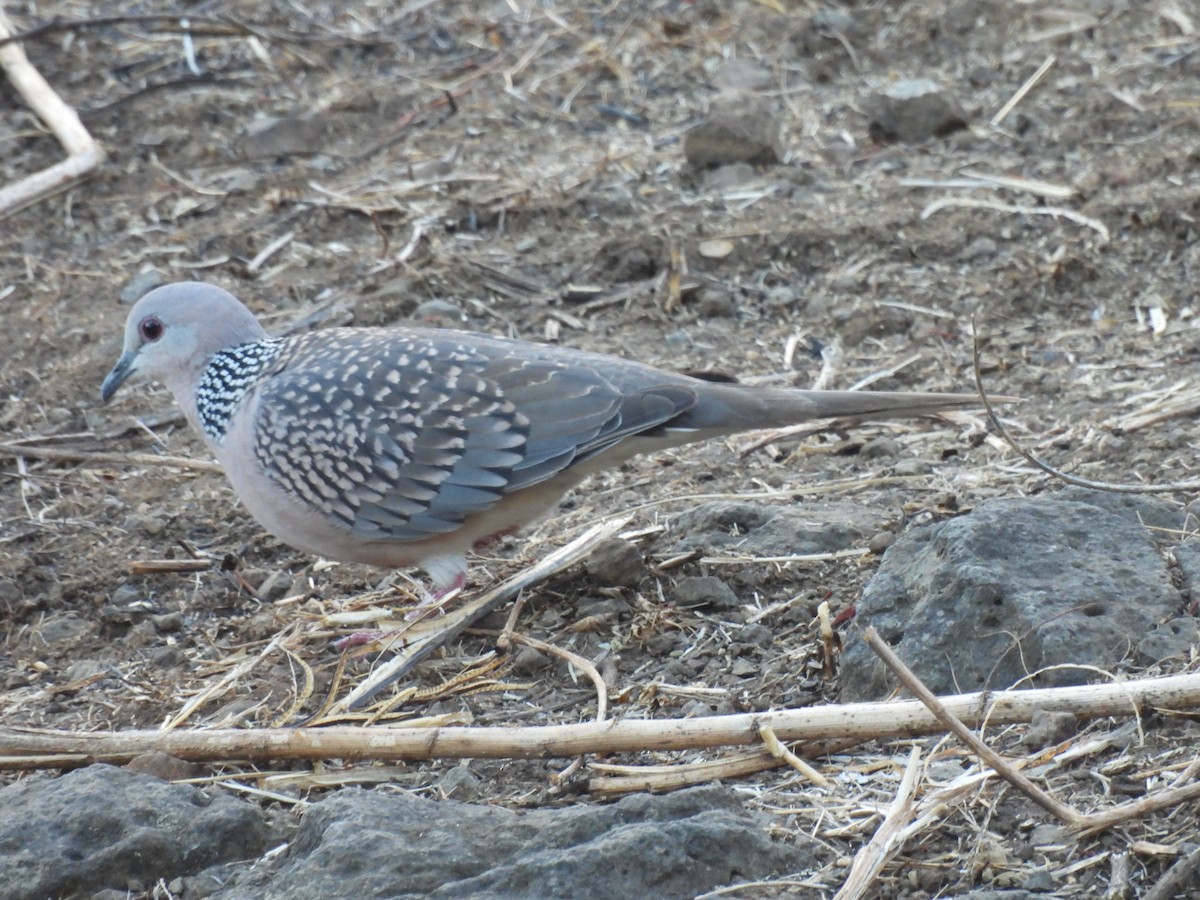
x=617, y=562
x=704, y=590
x=151, y=526
x=167, y=623
x=715, y=303
x=880, y=541
x=880, y=447
x=743, y=668
x=62, y=628
x=1039, y=881
x=912, y=111
x=912, y=467
x=84, y=668
x=167, y=658
x=715, y=249
x=126, y=594
x=729, y=178
x=742, y=75
x=1047, y=728
x=162, y=765
x=528, y=661
x=739, y=129
x=605, y=607
x=139, y=284
x=460, y=783
x=275, y=586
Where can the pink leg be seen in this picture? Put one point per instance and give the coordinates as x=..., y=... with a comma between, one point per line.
x=431, y=602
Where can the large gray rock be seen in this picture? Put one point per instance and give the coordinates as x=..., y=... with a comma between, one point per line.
x=373, y=844
x=1016, y=585
x=104, y=827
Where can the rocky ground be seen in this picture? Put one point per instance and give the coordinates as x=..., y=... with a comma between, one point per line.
x=787, y=194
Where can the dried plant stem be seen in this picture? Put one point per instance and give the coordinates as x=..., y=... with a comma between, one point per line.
x=853, y=721
x=993, y=759
x=88, y=457
x=83, y=153
x=873, y=856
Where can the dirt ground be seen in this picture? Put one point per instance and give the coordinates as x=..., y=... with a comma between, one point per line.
x=520, y=169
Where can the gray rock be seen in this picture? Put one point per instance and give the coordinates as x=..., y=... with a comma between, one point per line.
x=912, y=111
x=757, y=529
x=1169, y=640
x=617, y=562
x=103, y=827
x=983, y=600
x=371, y=844
x=704, y=590
x=740, y=128
x=62, y=627
x=1047, y=728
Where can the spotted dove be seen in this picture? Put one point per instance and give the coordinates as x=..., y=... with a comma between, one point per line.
x=411, y=446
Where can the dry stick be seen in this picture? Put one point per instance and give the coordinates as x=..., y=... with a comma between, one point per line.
x=169, y=566
x=870, y=859
x=1014, y=777
x=852, y=721
x=1177, y=879
x=83, y=153
x=783, y=754
x=611, y=780
x=1056, y=211
x=88, y=457
x=1087, y=824
x=585, y=666
x=1112, y=487
x=1024, y=89
x=419, y=638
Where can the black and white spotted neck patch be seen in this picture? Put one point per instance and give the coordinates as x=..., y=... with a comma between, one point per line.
x=229, y=376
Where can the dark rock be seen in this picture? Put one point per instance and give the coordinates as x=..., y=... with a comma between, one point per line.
x=677, y=845
x=880, y=542
x=617, y=562
x=740, y=128
x=1047, y=728
x=61, y=628
x=912, y=111
x=880, y=447
x=460, y=783
x=162, y=765
x=704, y=590
x=983, y=600
x=103, y=828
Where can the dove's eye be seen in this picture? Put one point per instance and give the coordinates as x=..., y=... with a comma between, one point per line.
x=151, y=329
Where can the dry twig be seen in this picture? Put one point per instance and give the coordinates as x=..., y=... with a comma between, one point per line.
x=83, y=153
x=853, y=722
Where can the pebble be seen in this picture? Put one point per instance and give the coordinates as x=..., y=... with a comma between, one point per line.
x=715, y=303
x=460, y=783
x=880, y=447
x=912, y=111
x=84, y=668
x=162, y=765
x=880, y=542
x=739, y=129
x=617, y=562
x=704, y=590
